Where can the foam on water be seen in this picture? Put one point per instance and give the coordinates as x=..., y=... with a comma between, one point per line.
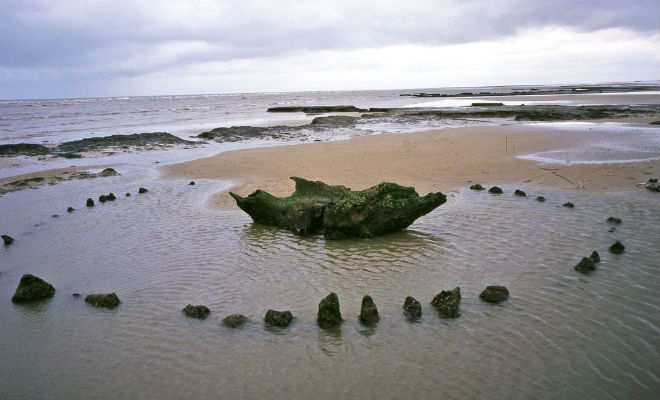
x=561, y=334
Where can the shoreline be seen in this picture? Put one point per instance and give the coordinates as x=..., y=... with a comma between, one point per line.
x=443, y=159
x=438, y=160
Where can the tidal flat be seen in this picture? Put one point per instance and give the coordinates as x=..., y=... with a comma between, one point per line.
x=167, y=248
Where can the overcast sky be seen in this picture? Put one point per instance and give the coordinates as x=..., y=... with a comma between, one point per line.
x=88, y=48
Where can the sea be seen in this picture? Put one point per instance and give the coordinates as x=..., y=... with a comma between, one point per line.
x=560, y=335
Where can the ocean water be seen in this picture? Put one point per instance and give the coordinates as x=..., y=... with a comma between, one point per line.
x=52, y=121
x=560, y=335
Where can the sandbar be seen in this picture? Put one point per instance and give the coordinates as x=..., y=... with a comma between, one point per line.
x=439, y=160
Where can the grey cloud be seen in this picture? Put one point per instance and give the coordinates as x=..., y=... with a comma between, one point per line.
x=51, y=33
x=105, y=39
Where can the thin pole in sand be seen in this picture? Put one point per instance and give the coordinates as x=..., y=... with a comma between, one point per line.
x=506, y=145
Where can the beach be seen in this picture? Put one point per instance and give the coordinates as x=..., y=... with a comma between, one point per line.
x=329, y=200
x=442, y=160
x=560, y=333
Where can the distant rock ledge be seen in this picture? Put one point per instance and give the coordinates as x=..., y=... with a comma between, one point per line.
x=148, y=140
x=316, y=109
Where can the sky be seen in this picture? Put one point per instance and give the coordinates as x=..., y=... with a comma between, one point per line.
x=93, y=48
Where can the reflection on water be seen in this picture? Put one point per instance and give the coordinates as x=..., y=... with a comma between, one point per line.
x=561, y=334
x=600, y=143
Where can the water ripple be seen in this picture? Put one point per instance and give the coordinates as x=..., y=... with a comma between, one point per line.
x=560, y=335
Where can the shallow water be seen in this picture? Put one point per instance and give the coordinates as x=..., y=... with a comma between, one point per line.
x=560, y=335
x=600, y=143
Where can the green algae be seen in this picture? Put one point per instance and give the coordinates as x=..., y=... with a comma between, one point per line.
x=337, y=212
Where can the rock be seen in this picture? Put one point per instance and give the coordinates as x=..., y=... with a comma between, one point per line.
x=239, y=133
x=585, y=265
x=7, y=239
x=494, y=294
x=90, y=202
x=329, y=315
x=612, y=229
x=316, y=109
x=614, y=220
x=595, y=257
x=617, y=248
x=477, y=186
x=447, y=301
x=654, y=187
x=412, y=308
x=148, y=140
x=68, y=155
x=234, y=320
x=108, y=197
x=540, y=198
x=105, y=300
x=76, y=295
x=486, y=104
x=70, y=209
x=569, y=205
x=280, y=319
x=54, y=215
x=520, y=193
x=368, y=311
x=88, y=175
x=108, y=172
x=191, y=183
x=334, y=120
x=23, y=149
x=199, y=311
x=142, y=190
x=653, y=180
x=337, y=212
x=495, y=190
x=32, y=288
x=128, y=195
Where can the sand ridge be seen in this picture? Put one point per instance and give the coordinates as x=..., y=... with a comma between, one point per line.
x=440, y=160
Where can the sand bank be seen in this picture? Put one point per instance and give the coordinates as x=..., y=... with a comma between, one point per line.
x=441, y=160
x=35, y=180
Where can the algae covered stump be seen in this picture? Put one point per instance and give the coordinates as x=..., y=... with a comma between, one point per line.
x=336, y=212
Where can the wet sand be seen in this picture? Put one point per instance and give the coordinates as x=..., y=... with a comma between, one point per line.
x=442, y=160
x=35, y=180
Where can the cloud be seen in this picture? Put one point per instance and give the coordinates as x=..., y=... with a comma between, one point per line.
x=86, y=45
x=550, y=55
